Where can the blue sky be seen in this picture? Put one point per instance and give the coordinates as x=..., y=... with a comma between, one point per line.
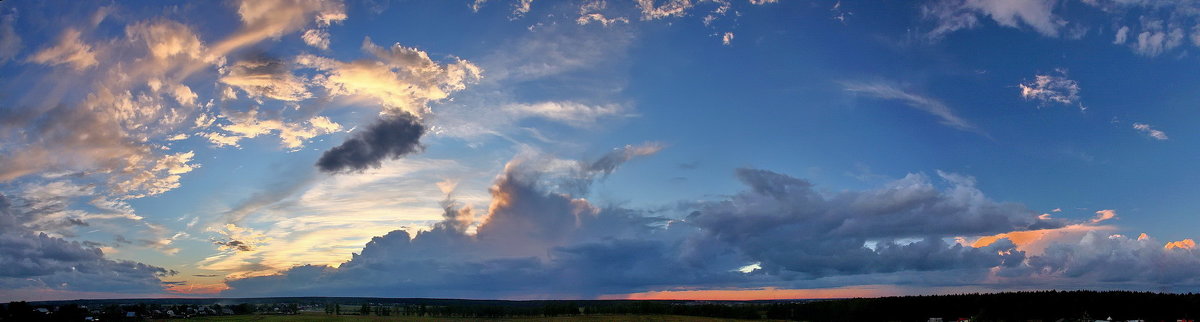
x=180, y=141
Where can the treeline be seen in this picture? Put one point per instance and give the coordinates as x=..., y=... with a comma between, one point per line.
x=1010, y=306
x=554, y=309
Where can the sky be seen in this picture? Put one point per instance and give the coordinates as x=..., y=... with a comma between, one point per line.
x=579, y=149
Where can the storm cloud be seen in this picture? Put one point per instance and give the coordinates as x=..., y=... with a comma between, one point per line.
x=781, y=232
x=391, y=137
x=39, y=261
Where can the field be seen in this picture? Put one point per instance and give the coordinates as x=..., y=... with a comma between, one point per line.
x=321, y=317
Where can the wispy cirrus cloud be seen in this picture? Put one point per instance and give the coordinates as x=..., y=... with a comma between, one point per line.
x=888, y=91
x=1149, y=131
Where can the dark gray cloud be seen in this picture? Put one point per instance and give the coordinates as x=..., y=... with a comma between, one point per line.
x=792, y=228
x=233, y=245
x=780, y=232
x=391, y=137
x=37, y=260
x=538, y=241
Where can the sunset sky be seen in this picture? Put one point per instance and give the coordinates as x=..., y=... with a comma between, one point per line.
x=520, y=149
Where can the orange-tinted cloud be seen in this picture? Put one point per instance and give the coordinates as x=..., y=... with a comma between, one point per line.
x=1182, y=244
x=1104, y=215
x=1035, y=241
x=189, y=288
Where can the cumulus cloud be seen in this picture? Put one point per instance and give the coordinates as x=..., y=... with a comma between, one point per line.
x=669, y=8
x=1052, y=89
x=251, y=124
x=1104, y=258
x=727, y=39
x=1122, y=34
x=953, y=15
x=536, y=240
x=37, y=261
x=1154, y=42
x=402, y=79
x=934, y=107
x=591, y=12
x=1149, y=130
x=391, y=137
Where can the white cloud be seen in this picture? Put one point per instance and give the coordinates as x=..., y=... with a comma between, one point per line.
x=520, y=8
x=727, y=39
x=317, y=38
x=669, y=8
x=1153, y=43
x=590, y=12
x=572, y=113
x=1052, y=89
x=954, y=15
x=1122, y=34
x=400, y=78
x=251, y=124
x=934, y=107
x=1150, y=131
x=70, y=50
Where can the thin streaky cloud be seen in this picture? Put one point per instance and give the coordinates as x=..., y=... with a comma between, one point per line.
x=887, y=91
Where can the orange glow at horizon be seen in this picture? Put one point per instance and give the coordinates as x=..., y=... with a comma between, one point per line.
x=197, y=288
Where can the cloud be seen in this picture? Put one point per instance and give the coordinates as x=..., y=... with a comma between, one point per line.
x=251, y=124
x=568, y=112
x=322, y=220
x=266, y=77
x=10, y=41
x=590, y=12
x=727, y=39
x=669, y=8
x=1122, y=34
x=1118, y=259
x=401, y=79
x=1149, y=130
x=69, y=51
x=954, y=15
x=1153, y=43
x=533, y=240
x=37, y=261
x=1182, y=244
x=263, y=19
x=1052, y=89
x=238, y=239
x=1103, y=215
x=925, y=104
x=391, y=137
x=520, y=8
x=317, y=38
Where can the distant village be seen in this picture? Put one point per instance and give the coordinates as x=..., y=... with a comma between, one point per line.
x=1090, y=306
x=134, y=311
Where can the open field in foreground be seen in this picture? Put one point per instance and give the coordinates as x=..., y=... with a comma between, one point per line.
x=321, y=317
